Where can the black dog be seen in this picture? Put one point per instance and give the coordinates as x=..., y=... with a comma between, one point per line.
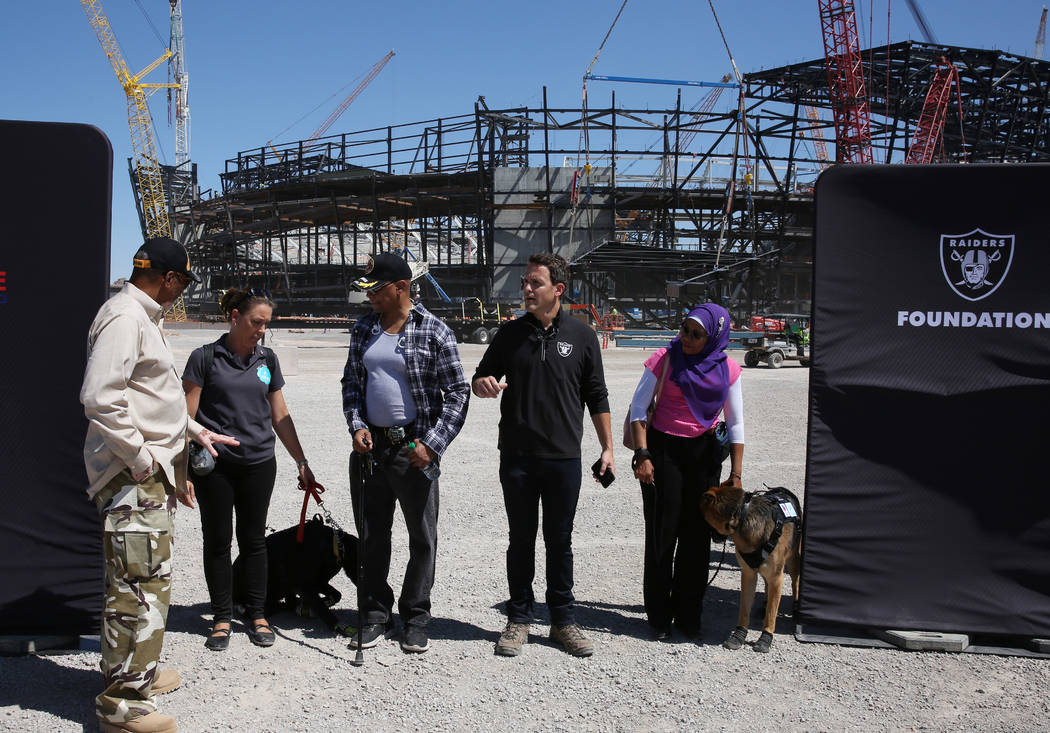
x=298, y=575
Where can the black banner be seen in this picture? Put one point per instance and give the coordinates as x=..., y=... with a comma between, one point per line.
x=55, y=198
x=926, y=491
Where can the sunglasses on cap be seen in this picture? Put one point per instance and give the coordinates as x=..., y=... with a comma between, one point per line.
x=252, y=293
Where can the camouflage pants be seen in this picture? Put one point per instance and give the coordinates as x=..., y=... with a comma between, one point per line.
x=137, y=541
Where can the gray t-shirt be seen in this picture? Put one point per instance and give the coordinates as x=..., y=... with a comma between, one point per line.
x=234, y=400
x=388, y=397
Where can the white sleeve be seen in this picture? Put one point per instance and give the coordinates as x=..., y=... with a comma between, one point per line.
x=643, y=395
x=734, y=412
x=104, y=392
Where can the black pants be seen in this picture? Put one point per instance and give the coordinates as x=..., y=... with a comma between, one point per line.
x=246, y=489
x=527, y=482
x=677, y=539
x=395, y=480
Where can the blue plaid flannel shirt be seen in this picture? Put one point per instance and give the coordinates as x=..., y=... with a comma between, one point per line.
x=440, y=390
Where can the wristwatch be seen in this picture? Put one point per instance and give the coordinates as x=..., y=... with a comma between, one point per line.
x=300, y=464
x=639, y=454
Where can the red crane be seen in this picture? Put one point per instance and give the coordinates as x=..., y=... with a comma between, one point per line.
x=849, y=100
x=928, y=131
x=338, y=111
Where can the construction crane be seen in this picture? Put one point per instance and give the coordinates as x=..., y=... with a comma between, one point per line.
x=849, y=99
x=178, y=98
x=818, y=136
x=146, y=165
x=1040, y=36
x=338, y=111
x=928, y=131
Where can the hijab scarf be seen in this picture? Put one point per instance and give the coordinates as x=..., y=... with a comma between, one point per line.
x=704, y=377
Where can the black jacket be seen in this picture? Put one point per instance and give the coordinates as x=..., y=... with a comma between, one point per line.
x=550, y=375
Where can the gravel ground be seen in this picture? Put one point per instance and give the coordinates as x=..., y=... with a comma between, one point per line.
x=306, y=682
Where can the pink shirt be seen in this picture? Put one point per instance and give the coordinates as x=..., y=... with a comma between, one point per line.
x=672, y=414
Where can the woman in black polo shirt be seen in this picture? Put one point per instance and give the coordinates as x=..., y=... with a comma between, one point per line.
x=235, y=383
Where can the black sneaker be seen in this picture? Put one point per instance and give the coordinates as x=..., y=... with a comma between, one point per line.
x=371, y=634
x=414, y=640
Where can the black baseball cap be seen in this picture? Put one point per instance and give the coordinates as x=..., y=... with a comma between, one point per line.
x=382, y=269
x=165, y=255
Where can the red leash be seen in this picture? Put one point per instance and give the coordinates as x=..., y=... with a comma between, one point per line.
x=315, y=490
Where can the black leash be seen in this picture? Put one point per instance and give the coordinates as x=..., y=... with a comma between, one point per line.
x=720, y=561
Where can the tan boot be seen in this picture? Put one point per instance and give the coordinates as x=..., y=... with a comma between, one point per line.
x=166, y=681
x=153, y=723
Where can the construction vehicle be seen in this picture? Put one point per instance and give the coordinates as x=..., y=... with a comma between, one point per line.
x=780, y=337
x=479, y=328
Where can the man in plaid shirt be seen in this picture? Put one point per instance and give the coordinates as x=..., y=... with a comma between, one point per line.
x=405, y=399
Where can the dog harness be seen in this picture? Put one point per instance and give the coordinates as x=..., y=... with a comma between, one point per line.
x=786, y=509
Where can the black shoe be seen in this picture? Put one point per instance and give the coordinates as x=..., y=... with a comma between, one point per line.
x=662, y=633
x=219, y=640
x=414, y=640
x=371, y=634
x=261, y=634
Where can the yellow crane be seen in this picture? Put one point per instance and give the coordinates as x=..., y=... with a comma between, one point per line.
x=146, y=165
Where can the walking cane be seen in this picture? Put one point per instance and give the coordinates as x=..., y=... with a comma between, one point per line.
x=367, y=469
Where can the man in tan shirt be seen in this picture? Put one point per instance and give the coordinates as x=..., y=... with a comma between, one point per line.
x=136, y=457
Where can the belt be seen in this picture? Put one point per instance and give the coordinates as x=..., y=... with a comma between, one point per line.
x=396, y=436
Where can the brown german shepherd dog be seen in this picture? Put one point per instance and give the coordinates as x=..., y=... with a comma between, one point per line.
x=765, y=529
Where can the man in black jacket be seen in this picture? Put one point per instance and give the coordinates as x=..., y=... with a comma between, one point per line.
x=553, y=366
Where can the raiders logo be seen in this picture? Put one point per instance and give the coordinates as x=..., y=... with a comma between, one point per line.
x=975, y=264
x=564, y=349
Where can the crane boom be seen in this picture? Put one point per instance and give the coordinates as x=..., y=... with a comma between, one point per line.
x=934, y=111
x=818, y=137
x=148, y=180
x=338, y=111
x=180, y=95
x=849, y=99
x=1040, y=36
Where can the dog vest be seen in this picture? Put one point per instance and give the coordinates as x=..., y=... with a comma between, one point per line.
x=786, y=508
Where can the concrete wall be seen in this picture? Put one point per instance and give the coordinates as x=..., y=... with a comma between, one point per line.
x=520, y=232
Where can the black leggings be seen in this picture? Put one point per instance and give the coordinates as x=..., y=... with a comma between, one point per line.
x=677, y=539
x=247, y=489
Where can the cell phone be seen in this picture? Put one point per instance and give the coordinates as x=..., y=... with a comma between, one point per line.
x=604, y=479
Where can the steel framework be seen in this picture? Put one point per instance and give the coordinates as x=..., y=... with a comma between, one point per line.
x=302, y=218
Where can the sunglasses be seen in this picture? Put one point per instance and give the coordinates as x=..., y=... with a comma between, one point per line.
x=252, y=293
x=693, y=333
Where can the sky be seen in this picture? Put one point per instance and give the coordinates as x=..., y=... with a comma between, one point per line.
x=256, y=68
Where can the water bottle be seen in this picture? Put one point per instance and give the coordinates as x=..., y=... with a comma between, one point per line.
x=431, y=470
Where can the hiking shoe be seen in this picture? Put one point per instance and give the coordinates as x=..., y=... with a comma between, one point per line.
x=571, y=637
x=512, y=639
x=371, y=634
x=152, y=723
x=414, y=640
x=166, y=681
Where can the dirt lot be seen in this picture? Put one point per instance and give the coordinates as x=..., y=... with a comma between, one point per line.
x=306, y=682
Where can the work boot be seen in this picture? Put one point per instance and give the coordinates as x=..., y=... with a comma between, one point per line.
x=512, y=639
x=153, y=723
x=572, y=639
x=166, y=681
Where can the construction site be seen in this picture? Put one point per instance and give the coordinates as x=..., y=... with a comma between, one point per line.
x=656, y=209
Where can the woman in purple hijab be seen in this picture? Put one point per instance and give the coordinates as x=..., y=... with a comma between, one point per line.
x=678, y=456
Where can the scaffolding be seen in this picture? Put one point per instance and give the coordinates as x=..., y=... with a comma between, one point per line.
x=642, y=222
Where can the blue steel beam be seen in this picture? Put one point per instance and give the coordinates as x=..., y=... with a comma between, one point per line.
x=672, y=82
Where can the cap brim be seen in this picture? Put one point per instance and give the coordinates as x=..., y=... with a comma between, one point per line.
x=194, y=276
x=365, y=285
